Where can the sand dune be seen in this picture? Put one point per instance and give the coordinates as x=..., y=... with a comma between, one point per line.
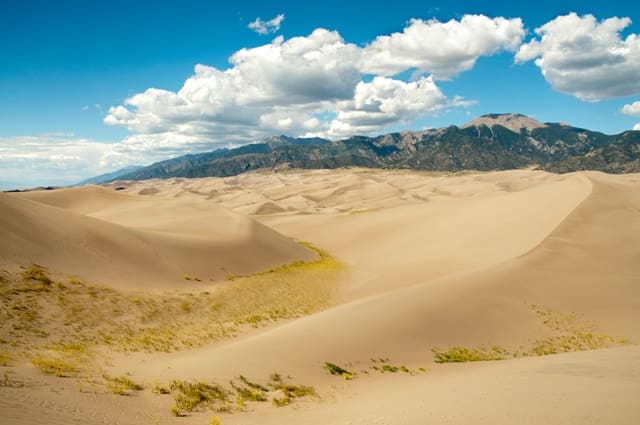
x=573, y=269
x=597, y=387
x=513, y=259
x=135, y=243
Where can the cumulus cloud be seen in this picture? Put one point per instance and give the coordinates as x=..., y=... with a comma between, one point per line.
x=313, y=85
x=587, y=58
x=385, y=101
x=267, y=27
x=632, y=108
x=442, y=49
x=270, y=88
x=637, y=127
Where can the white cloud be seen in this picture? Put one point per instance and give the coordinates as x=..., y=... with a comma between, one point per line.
x=442, y=49
x=383, y=102
x=586, y=58
x=278, y=87
x=632, y=108
x=267, y=27
x=637, y=127
x=53, y=159
x=314, y=85
x=311, y=85
x=268, y=89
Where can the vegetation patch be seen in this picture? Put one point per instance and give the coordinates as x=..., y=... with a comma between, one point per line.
x=571, y=332
x=38, y=311
x=158, y=389
x=121, y=385
x=198, y=396
x=382, y=365
x=461, y=354
x=248, y=391
x=35, y=272
x=55, y=366
x=334, y=369
x=288, y=393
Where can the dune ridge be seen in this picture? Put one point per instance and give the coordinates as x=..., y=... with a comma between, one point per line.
x=128, y=242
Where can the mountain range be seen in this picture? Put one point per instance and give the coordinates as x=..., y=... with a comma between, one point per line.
x=490, y=142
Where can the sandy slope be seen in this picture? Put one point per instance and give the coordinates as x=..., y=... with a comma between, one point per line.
x=435, y=261
x=133, y=242
x=574, y=269
x=597, y=387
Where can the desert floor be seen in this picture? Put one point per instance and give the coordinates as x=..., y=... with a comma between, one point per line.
x=474, y=298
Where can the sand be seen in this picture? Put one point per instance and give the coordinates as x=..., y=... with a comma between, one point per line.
x=432, y=261
x=133, y=242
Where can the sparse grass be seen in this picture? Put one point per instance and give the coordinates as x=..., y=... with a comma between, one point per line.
x=288, y=392
x=55, y=366
x=37, y=273
x=4, y=358
x=158, y=389
x=7, y=381
x=214, y=421
x=461, y=354
x=197, y=396
x=291, y=393
x=249, y=391
x=384, y=367
x=38, y=312
x=76, y=281
x=121, y=385
x=571, y=332
x=334, y=369
x=281, y=401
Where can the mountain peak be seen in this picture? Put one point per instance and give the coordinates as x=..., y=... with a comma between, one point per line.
x=514, y=122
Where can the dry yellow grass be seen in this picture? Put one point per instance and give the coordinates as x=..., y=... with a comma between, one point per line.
x=571, y=332
x=65, y=321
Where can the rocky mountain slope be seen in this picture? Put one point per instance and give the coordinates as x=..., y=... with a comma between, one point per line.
x=490, y=142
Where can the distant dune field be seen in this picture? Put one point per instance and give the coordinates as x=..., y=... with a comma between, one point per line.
x=473, y=298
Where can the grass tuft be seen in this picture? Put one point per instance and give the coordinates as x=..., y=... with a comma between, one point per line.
x=121, y=385
x=249, y=391
x=461, y=354
x=196, y=396
x=55, y=366
x=334, y=369
x=290, y=392
x=158, y=389
x=571, y=332
x=37, y=273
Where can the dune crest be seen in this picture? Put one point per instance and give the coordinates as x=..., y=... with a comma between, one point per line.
x=133, y=242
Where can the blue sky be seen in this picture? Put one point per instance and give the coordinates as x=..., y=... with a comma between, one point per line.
x=75, y=75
